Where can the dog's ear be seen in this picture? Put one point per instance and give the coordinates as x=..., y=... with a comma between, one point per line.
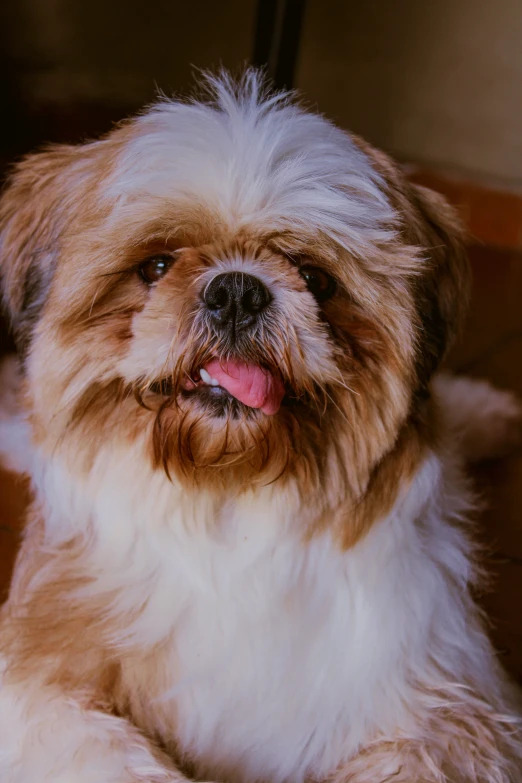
x=441, y=286
x=34, y=207
x=442, y=289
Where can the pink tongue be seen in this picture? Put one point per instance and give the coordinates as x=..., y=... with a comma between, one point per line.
x=249, y=384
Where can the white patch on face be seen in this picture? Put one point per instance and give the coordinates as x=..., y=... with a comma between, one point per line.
x=256, y=162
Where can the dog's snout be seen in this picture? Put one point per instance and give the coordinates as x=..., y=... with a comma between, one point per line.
x=235, y=299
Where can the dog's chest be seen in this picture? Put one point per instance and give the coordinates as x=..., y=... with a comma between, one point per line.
x=275, y=659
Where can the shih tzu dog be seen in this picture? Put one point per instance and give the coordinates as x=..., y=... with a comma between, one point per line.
x=247, y=558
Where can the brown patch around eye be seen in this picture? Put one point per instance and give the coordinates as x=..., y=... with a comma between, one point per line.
x=319, y=283
x=154, y=268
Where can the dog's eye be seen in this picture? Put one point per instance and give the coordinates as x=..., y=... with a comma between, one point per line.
x=153, y=269
x=319, y=283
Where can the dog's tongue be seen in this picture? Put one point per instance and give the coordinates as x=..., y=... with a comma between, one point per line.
x=249, y=384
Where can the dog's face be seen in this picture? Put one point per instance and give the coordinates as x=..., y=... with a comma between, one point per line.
x=240, y=288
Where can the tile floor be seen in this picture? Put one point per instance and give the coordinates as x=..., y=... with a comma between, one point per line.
x=491, y=348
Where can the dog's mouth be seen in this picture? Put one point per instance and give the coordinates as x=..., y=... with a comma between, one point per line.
x=221, y=381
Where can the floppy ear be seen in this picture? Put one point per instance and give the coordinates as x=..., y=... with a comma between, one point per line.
x=34, y=206
x=442, y=288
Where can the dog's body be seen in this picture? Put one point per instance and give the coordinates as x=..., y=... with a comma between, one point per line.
x=239, y=585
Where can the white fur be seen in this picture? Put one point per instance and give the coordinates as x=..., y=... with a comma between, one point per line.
x=258, y=161
x=45, y=737
x=285, y=658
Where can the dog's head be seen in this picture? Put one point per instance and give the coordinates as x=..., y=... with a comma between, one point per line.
x=237, y=285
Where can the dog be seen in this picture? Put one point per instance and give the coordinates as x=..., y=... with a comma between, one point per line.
x=249, y=555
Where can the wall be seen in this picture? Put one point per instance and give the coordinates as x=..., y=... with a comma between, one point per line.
x=433, y=81
x=119, y=52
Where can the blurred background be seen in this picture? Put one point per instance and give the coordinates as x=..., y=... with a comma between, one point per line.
x=437, y=84
x=434, y=83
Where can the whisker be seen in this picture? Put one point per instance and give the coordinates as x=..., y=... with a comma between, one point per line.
x=93, y=303
x=343, y=414
x=341, y=382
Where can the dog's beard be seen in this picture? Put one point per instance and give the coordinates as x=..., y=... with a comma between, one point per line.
x=203, y=431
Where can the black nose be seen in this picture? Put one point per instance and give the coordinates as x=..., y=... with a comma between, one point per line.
x=235, y=299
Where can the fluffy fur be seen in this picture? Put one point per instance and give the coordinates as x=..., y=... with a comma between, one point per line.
x=223, y=594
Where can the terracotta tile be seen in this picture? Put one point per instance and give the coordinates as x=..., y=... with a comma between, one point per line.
x=13, y=501
x=502, y=364
x=9, y=542
x=492, y=216
x=14, y=496
x=495, y=217
x=496, y=305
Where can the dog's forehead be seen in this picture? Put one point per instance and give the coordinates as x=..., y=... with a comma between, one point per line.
x=278, y=168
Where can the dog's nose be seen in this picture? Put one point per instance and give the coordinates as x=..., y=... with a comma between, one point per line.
x=236, y=299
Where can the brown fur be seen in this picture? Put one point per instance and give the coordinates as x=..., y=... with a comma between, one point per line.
x=384, y=352
x=348, y=442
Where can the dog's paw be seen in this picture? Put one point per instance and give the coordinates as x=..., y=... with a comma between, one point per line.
x=487, y=421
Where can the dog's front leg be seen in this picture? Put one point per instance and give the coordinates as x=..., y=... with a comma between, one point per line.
x=48, y=736
x=464, y=740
